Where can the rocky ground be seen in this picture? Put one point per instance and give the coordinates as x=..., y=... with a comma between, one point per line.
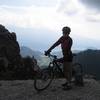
x=24, y=90
x=99, y=81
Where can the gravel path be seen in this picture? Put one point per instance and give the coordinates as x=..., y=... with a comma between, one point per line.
x=24, y=90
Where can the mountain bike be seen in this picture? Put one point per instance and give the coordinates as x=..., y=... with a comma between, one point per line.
x=44, y=77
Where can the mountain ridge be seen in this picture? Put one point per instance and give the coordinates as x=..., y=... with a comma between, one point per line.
x=89, y=59
x=26, y=51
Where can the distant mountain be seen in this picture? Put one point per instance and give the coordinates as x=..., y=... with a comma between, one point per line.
x=25, y=51
x=76, y=51
x=59, y=53
x=90, y=59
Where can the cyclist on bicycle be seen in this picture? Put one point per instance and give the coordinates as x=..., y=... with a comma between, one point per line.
x=66, y=43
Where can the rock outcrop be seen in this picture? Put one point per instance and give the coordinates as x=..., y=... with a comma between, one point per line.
x=9, y=47
x=12, y=64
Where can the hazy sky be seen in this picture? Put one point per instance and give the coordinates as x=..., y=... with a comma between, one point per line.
x=38, y=23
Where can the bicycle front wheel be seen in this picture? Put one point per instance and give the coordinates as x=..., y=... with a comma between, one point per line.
x=43, y=79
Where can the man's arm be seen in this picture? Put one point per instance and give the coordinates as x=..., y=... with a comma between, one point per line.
x=53, y=46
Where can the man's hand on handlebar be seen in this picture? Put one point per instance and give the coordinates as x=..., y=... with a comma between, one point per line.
x=47, y=52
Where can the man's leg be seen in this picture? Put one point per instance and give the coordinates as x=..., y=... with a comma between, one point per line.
x=67, y=68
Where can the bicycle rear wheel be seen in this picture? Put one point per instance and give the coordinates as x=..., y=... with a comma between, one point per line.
x=43, y=79
x=78, y=74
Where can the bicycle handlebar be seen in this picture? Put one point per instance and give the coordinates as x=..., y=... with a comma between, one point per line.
x=50, y=55
x=54, y=56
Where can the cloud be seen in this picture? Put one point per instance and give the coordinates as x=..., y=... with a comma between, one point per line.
x=92, y=8
x=69, y=7
x=86, y=10
x=25, y=16
x=33, y=16
x=93, y=18
x=83, y=22
x=92, y=4
x=28, y=2
x=47, y=18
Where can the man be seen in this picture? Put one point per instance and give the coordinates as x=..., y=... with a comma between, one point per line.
x=66, y=44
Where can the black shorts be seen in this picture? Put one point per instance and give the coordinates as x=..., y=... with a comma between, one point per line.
x=65, y=59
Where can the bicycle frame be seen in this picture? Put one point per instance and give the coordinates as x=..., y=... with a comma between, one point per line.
x=55, y=64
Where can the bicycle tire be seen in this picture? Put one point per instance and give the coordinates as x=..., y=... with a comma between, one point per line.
x=40, y=83
x=77, y=66
x=78, y=74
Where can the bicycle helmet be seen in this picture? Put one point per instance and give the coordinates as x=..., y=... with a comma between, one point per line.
x=66, y=29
